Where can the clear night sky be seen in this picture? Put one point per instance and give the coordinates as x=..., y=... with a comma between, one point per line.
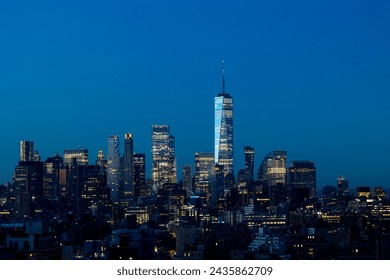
x=310, y=77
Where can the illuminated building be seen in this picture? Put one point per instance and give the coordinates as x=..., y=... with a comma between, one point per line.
x=217, y=184
x=249, y=163
x=273, y=176
x=139, y=176
x=128, y=166
x=163, y=156
x=51, y=178
x=94, y=192
x=26, y=151
x=223, y=130
x=78, y=154
x=113, y=168
x=363, y=192
x=187, y=177
x=342, y=187
x=28, y=187
x=100, y=161
x=204, y=165
x=302, y=175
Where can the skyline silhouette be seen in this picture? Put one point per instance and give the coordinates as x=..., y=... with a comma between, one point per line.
x=307, y=78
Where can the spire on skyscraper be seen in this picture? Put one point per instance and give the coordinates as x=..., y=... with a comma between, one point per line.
x=223, y=76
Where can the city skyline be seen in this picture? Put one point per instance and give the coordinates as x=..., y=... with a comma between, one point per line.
x=318, y=91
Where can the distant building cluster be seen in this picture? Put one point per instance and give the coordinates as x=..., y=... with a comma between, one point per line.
x=68, y=207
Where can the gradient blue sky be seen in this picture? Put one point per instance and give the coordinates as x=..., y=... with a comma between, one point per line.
x=310, y=77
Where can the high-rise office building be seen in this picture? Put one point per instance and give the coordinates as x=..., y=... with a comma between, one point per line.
x=79, y=155
x=94, y=193
x=342, y=188
x=163, y=156
x=273, y=176
x=28, y=187
x=302, y=180
x=51, y=178
x=139, y=177
x=249, y=163
x=187, y=177
x=113, y=168
x=217, y=184
x=223, y=130
x=204, y=168
x=26, y=151
x=128, y=166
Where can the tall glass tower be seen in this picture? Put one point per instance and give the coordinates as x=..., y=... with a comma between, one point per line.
x=249, y=164
x=223, y=129
x=113, y=167
x=26, y=151
x=128, y=157
x=163, y=156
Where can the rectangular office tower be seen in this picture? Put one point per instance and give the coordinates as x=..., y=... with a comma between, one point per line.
x=128, y=157
x=223, y=130
x=163, y=156
x=302, y=177
x=204, y=168
x=139, y=177
x=113, y=168
x=272, y=175
x=249, y=164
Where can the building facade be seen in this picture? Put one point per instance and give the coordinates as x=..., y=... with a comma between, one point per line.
x=113, y=168
x=223, y=130
x=204, y=166
x=128, y=157
x=79, y=155
x=302, y=181
x=273, y=176
x=163, y=156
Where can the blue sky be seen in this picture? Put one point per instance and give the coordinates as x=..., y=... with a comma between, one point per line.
x=309, y=77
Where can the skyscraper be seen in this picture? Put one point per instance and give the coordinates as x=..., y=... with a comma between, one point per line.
x=128, y=166
x=342, y=186
x=273, y=176
x=187, y=177
x=26, y=151
x=249, y=163
x=302, y=178
x=78, y=154
x=51, y=176
x=204, y=168
x=28, y=181
x=113, y=166
x=139, y=183
x=223, y=129
x=163, y=156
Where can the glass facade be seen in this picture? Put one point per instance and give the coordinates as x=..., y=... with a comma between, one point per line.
x=187, y=177
x=79, y=154
x=113, y=168
x=139, y=182
x=249, y=163
x=223, y=146
x=273, y=176
x=128, y=166
x=302, y=174
x=26, y=151
x=163, y=157
x=204, y=165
